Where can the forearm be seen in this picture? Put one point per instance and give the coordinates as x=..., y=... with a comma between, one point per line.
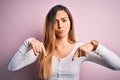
x=22, y=57
x=109, y=57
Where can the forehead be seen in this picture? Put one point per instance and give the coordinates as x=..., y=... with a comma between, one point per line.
x=61, y=14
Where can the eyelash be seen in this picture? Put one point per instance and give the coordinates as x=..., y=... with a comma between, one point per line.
x=64, y=20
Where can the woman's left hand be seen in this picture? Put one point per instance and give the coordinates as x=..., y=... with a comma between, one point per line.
x=83, y=50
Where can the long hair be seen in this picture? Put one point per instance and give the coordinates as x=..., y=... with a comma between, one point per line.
x=50, y=39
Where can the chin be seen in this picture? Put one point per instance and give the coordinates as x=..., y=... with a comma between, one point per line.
x=61, y=36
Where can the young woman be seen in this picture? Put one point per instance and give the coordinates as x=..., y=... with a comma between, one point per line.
x=59, y=55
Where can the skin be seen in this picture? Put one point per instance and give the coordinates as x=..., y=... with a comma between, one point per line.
x=62, y=27
x=63, y=46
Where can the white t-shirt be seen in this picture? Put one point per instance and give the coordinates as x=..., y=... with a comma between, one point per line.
x=65, y=68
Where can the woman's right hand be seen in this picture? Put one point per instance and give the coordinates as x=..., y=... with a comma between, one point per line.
x=38, y=47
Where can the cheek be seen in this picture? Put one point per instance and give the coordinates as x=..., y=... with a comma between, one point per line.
x=55, y=27
x=67, y=25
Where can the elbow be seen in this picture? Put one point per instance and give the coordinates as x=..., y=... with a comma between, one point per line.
x=11, y=69
x=116, y=68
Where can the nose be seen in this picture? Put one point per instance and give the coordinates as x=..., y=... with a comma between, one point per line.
x=60, y=24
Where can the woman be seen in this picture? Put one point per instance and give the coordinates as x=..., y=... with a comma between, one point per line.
x=59, y=55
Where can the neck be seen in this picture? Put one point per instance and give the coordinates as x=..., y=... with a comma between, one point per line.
x=62, y=41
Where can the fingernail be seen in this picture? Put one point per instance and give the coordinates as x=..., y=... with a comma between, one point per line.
x=44, y=55
x=72, y=59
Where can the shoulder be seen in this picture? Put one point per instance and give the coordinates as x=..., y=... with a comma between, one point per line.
x=79, y=43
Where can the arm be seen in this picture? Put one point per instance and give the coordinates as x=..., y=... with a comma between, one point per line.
x=23, y=57
x=105, y=57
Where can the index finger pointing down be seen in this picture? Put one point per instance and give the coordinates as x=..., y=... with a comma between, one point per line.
x=44, y=52
x=75, y=55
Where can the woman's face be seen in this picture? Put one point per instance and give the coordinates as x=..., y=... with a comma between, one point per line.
x=62, y=24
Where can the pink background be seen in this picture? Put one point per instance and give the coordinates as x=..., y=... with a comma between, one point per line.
x=94, y=19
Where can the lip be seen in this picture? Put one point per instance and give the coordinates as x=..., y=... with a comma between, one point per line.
x=61, y=31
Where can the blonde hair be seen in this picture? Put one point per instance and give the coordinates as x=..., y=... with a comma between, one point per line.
x=50, y=39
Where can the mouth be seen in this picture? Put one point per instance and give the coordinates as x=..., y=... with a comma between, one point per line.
x=60, y=31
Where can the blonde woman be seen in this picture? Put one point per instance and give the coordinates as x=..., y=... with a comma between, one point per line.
x=59, y=55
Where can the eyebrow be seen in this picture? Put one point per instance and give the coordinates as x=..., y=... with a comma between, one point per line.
x=63, y=18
